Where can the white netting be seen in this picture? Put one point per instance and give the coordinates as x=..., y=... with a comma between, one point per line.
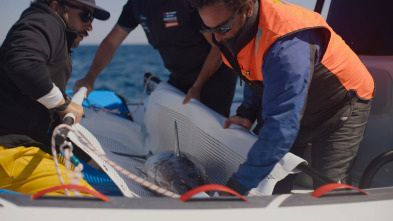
x=201, y=135
x=201, y=132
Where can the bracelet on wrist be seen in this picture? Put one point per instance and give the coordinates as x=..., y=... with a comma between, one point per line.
x=64, y=106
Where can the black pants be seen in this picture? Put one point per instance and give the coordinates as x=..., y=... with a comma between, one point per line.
x=333, y=153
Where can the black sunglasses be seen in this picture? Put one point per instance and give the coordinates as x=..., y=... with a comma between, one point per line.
x=85, y=16
x=223, y=28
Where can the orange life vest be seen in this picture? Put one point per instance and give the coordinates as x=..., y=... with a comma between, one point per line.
x=278, y=19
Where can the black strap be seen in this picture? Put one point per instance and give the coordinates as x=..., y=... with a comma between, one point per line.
x=64, y=106
x=52, y=111
x=247, y=112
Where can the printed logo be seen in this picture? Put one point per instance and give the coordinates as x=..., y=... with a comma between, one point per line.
x=170, y=19
x=247, y=73
x=270, y=177
x=143, y=22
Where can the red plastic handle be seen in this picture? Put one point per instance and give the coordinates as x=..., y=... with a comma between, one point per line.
x=210, y=187
x=71, y=186
x=333, y=186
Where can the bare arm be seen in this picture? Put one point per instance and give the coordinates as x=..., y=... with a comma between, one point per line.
x=103, y=57
x=210, y=66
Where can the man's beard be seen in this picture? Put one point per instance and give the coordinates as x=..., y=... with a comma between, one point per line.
x=75, y=44
x=77, y=40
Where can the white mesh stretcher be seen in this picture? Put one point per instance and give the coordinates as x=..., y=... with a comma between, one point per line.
x=201, y=135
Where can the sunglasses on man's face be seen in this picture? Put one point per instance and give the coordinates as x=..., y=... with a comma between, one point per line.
x=223, y=28
x=85, y=16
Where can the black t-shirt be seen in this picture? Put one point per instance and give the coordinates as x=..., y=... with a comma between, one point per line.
x=173, y=28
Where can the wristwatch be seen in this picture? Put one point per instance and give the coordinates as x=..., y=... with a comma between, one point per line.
x=64, y=106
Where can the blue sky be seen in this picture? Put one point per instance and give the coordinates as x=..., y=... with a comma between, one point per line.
x=10, y=11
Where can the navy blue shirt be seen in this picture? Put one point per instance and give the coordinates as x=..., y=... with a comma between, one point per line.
x=173, y=28
x=287, y=71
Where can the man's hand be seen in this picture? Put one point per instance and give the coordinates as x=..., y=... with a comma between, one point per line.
x=84, y=82
x=244, y=122
x=193, y=92
x=74, y=108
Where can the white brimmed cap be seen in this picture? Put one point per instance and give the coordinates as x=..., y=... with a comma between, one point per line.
x=99, y=13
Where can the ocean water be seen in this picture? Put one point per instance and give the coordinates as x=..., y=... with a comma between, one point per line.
x=124, y=74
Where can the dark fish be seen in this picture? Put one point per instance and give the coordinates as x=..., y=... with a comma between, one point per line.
x=175, y=171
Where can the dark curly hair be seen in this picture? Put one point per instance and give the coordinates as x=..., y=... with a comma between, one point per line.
x=232, y=5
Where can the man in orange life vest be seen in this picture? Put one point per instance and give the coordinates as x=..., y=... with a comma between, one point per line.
x=302, y=82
